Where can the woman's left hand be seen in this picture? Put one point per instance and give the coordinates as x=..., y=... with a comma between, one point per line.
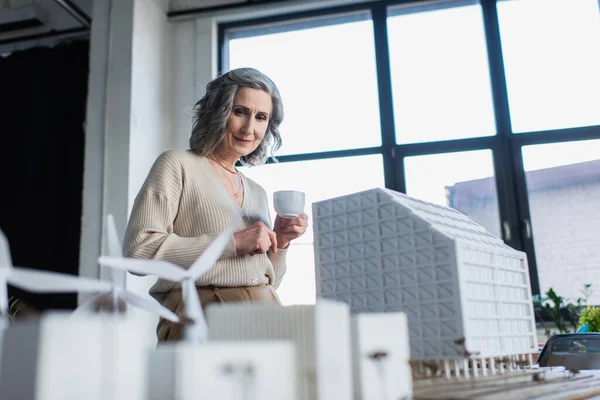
x=288, y=229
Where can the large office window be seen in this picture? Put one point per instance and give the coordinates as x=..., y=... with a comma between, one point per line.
x=428, y=98
x=552, y=61
x=440, y=75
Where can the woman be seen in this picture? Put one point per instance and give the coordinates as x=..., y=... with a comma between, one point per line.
x=190, y=196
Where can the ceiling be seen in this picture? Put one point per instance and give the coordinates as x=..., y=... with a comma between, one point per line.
x=34, y=19
x=21, y=19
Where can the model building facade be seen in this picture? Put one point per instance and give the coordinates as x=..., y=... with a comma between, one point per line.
x=383, y=251
x=227, y=370
x=321, y=334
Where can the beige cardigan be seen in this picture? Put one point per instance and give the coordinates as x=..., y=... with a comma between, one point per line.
x=182, y=207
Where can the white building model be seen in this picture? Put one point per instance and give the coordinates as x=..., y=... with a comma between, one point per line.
x=92, y=357
x=227, y=370
x=321, y=334
x=462, y=289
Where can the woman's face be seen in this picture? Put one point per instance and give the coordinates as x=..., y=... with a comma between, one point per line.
x=247, y=123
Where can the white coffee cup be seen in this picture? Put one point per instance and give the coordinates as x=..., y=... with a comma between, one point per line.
x=288, y=203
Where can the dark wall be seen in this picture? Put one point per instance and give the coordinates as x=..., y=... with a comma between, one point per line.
x=43, y=96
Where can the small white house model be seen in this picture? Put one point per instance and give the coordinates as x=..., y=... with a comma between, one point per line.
x=228, y=370
x=462, y=289
x=92, y=357
x=320, y=332
x=380, y=356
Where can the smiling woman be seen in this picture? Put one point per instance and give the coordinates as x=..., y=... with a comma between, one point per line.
x=247, y=124
x=190, y=196
x=215, y=113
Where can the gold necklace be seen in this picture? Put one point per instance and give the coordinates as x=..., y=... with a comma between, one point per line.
x=240, y=186
x=235, y=172
x=234, y=193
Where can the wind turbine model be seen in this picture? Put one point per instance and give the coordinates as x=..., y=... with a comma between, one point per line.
x=195, y=329
x=117, y=288
x=38, y=281
x=35, y=281
x=59, y=357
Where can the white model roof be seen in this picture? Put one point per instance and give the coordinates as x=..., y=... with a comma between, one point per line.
x=445, y=220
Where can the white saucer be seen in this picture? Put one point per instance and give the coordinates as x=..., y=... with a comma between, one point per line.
x=289, y=215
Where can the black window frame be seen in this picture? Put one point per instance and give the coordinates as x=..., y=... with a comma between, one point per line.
x=511, y=186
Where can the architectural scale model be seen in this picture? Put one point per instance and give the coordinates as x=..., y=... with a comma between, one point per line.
x=92, y=357
x=104, y=356
x=193, y=367
x=36, y=281
x=320, y=332
x=466, y=294
x=228, y=370
x=78, y=355
x=215, y=370
x=381, y=356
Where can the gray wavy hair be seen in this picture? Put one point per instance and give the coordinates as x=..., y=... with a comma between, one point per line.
x=213, y=109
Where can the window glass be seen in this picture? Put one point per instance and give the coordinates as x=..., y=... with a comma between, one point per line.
x=551, y=59
x=440, y=75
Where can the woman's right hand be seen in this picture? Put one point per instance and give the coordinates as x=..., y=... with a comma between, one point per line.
x=258, y=239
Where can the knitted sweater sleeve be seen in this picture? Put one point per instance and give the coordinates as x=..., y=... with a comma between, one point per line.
x=149, y=233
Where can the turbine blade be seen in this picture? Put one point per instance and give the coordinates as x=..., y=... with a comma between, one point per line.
x=114, y=250
x=112, y=237
x=191, y=301
x=163, y=269
x=38, y=281
x=5, y=259
x=197, y=331
x=210, y=256
x=149, y=305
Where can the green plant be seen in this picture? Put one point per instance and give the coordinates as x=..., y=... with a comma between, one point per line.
x=590, y=317
x=552, y=305
x=554, y=308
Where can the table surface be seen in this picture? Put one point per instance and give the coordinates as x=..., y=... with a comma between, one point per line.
x=542, y=383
